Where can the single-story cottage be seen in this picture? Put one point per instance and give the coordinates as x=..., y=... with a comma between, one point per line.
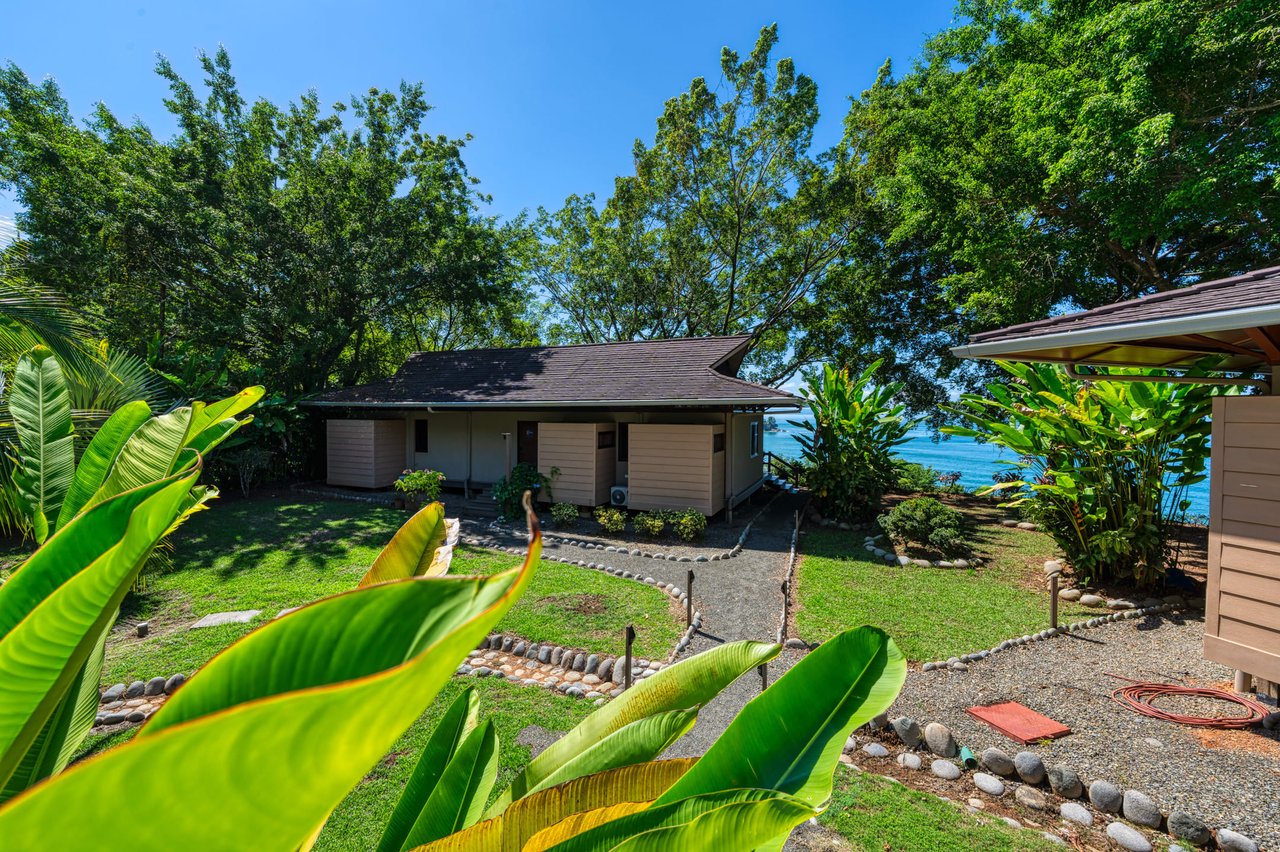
x=653, y=424
x=1231, y=325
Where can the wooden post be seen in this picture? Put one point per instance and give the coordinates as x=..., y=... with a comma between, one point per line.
x=688, y=601
x=763, y=668
x=1053, y=600
x=786, y=599
x=629, y=636
x=1244, y=681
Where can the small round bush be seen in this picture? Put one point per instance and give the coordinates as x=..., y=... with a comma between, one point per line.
x=651, y=523
x=926, y=522
x=420, y=484
x=610, y=519
x=917, y=478
x=688, y=524
x=564, y=514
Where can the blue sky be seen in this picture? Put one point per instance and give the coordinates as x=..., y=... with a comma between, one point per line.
x=554, y=93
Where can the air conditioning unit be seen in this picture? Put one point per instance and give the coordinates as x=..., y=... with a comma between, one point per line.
x=618, y=496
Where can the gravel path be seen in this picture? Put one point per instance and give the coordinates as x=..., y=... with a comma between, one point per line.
x=1064, y=679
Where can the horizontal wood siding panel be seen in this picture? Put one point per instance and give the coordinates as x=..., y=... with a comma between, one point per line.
x=1251, y=511
x=1251, y=560
x=1259, y=435
x=364, y=453
x=1257, y=486
x=1246, y=633
x=1259, y=533
x=1255, y=587
x=1242, y=656
x=571, y=447
x=1251, y=409
x=669, y=466
x=1249, y=460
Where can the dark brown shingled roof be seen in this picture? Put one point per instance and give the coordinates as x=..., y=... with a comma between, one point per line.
x=689, y=371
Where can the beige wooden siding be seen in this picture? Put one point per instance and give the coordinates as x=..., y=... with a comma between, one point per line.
x=672, y=467
x=585, y=471
x=364, y=453
x=1242, y=611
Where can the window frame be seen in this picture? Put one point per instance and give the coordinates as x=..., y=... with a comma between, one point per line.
x=756, y=443
x=421, y=436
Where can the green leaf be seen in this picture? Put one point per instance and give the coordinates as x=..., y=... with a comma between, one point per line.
x=458, y=799
x=273, y=732
x=691, y=682
x=100, y=455
x=790, y=736
x=414, y=550
x=41, y=408
x=458, y=721
x=150, y=453
x=205, y=416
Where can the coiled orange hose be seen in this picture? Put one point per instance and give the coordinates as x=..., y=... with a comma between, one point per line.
x=1139, y=695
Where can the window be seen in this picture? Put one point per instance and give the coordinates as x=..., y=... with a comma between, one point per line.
x=755, y=438
x=624, y=441
x=605, y=440
x=420, y=436
x=717, y=442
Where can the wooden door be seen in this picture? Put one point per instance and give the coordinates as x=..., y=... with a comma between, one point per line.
x=527, y=442
x=1242, y=609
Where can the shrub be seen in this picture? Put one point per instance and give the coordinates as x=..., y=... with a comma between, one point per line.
x=925, y=521
x=422, y=485
x=1102, y=466
x=688, y=524
x=849, y=448
x=651, y=523
x=509, y=490
x=611, y=519
x=564, y=514
x=917, y=478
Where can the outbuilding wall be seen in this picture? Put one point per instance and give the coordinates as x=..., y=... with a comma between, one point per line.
x=364, y=453
x=674, y=466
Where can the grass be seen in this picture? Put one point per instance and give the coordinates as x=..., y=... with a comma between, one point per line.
x=876, y=814
x=274, y=552
x=932, y=613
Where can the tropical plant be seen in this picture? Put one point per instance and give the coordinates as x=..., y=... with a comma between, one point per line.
x=916, y=478
x=848, y=446
x=687, y=524
x=928, y=523
x=1104, y=466
x=420, y=485
x=650, y=523
x=564, y=514
x=136, y=481
x=509, y=490
x=611, y=519
x=312, y=700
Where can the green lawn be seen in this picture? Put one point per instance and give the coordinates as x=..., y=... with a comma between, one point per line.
x=270, y=553
x=932, y=613
x=875, y=814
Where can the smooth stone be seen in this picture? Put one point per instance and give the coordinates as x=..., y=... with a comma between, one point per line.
x=1029, y=766
x=959, y=667
x=1065, y=782
x=1053, y=838
x=579, y=662
x=1052, y=566
x=1234, y=841
x=1271, y=721
x=1076, y=812
x=908, y=730
x=113, y=719
x=1069, y=594
x=939, y=739
x=989, y=784
x=875, y=750
x=851, y=744
x=605, y=672
x=507, y=642
x=544, y=654
x=909, y=760
x=135, y=689
x=1027, y=525
x=518, y=649
x=927, y=667
x=1011, y=822
x=1106, y=797
x=1153, y=742
x=997, y=761
x=135, y=716
x=1184, y=826
x=217, y=619
x=1128, y=838
x=962, y=563
x=1139, y=808
x=113, y=693
x=155, y=686
x=593, y=662
x=1121, y=603
x=945, y=769
x=1031, y=797
x=1092, y=600
x=142, y=628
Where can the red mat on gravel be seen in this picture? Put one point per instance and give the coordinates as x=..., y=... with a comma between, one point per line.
x=1019, y=722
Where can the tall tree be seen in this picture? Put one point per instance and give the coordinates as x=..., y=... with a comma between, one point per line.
x=727, y=225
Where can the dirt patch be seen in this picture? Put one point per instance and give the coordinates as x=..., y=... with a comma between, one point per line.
x=582, y=604
x=1252, y=740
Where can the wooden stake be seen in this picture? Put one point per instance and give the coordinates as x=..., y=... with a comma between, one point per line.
x=629, y=636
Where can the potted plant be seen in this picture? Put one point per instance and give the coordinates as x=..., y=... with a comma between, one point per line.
x=418, y=487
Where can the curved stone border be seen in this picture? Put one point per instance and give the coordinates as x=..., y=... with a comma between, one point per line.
x=571, y=671
x=869, y=545
x=134, y=703
x=671, y=590
x=1028, y=777
x=962, y=662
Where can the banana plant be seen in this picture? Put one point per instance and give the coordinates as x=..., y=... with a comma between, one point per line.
x=98, y=523
x=269, y=736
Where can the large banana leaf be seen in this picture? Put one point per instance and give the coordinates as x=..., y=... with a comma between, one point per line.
x=458, y=799
x=636, y=785
x=55, y=608
x=100, y=455
x=458, y=721
x=270, y=735
x=41, y=409
x=417, y=549
x=789, y=737
x=691, y=682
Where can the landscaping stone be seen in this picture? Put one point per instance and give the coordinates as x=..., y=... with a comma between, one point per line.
x=544, y=654
x=135, y=716
x=1029, y=766
x=135, y=689
x=593, y=662
x=1121, y=603
x=1027, y=525
x=1031, y=797
x=1011, y=822
x=1234, y=841
x=1065, y=782
x=939, y=739
x=606, y=669
x=1184, y=826
x=1076, y=812
x=1271, y=721
x=155, y=686
x=1127, y=837
x=1139, y=808
x=909, y=760
x=997, y=761
x=945, y=769
x=142, y=628
x=1053, y=838
x=217, y=619
x=908, y=730
x=519, y=648
x=579, y=662
x=875, y=750
x=113, y=719
x=1053, y=566
x=113, y=693
x=1105, y=796
x=850, y=744
x=1092, y=600
x=989, y=784
x=1069, y=594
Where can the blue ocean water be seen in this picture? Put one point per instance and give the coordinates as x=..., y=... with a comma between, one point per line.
x=975, y=461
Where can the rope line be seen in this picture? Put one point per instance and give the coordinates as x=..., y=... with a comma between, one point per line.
x=1139, y=696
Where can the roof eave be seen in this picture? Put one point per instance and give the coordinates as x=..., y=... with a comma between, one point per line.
x=770, y=402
